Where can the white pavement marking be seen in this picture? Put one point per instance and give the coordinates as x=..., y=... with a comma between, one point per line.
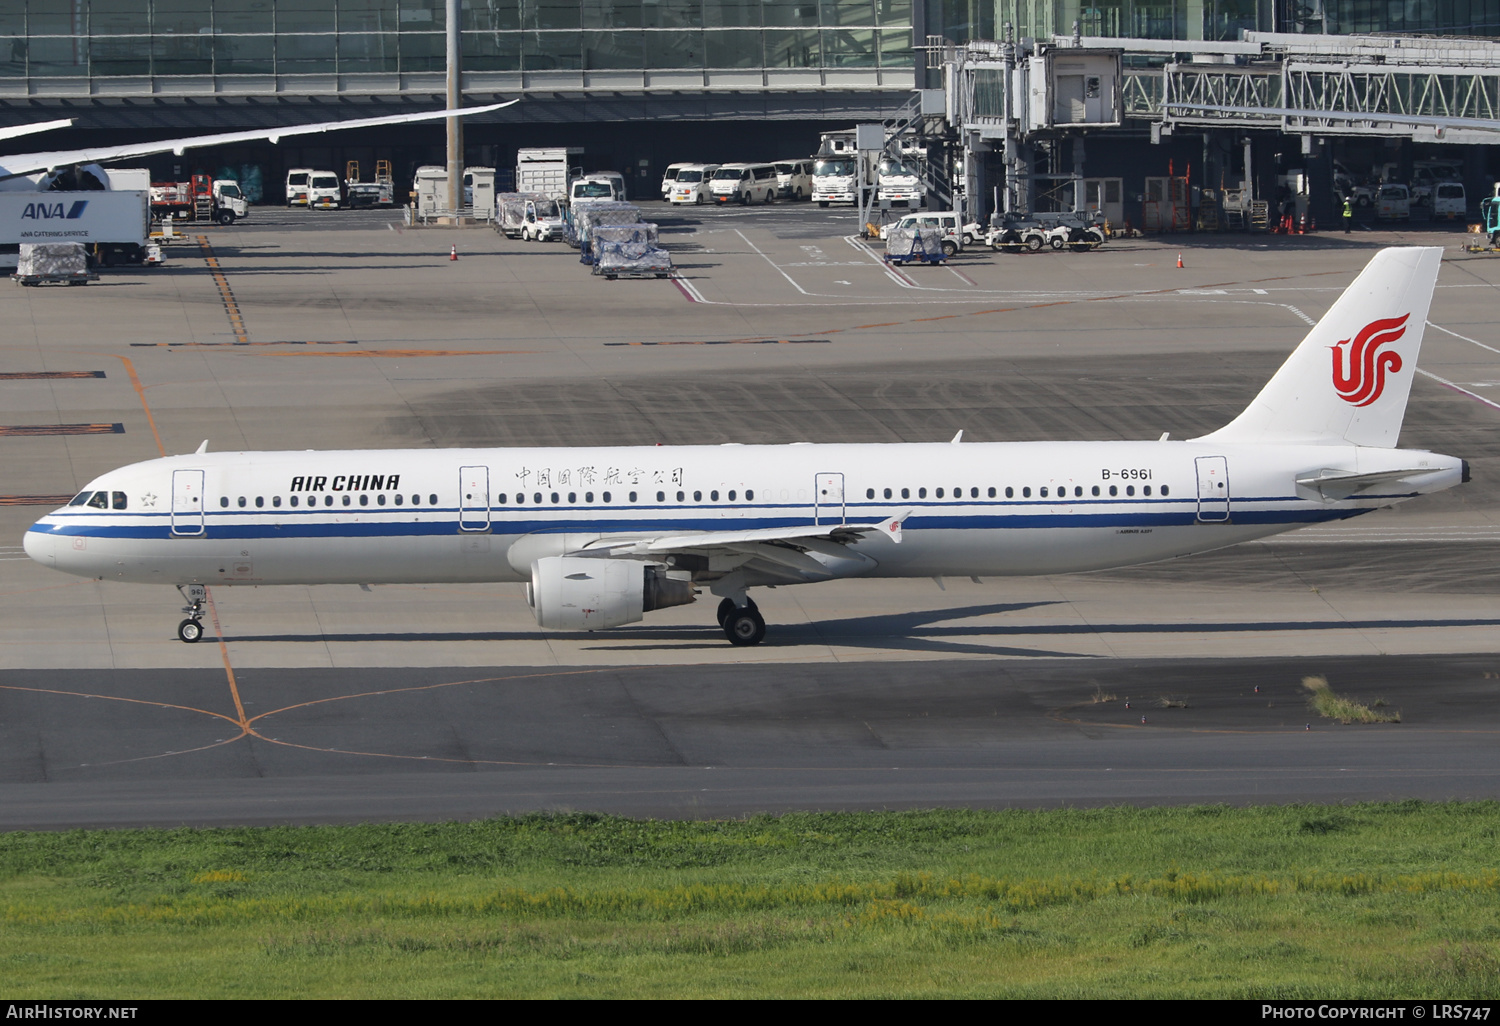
x=1458, y=388
x=1464, y=338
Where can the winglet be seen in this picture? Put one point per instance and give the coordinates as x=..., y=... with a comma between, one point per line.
x=958, y=437
x=891, y=526
x=202, y=448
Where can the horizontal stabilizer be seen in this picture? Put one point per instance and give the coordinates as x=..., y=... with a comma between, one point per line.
x=1332, y=485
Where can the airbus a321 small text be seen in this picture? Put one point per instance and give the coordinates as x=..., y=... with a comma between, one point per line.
x=602, y=536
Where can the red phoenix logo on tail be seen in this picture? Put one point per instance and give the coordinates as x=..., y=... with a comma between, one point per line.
x=1359, y=371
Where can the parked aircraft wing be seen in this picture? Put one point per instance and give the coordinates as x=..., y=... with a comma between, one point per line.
x=22, y=164
x=40, y=126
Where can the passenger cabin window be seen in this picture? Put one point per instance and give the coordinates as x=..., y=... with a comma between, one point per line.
x=432, y=500
x=749, y=494
x=260, y=502
x=276, y=501
x=294, y=500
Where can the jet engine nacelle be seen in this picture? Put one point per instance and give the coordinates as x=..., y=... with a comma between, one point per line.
x=581, y=593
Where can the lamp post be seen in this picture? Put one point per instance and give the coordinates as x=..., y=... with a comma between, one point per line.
x=455, y=100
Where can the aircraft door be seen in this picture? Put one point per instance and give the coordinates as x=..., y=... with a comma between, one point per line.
x=828, y=499
x=187, y=503
x=1213, y=489
x=473, y=498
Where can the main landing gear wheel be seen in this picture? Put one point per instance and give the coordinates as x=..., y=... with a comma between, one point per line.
x=744, y=626
x=191, y=630
x=727, y=606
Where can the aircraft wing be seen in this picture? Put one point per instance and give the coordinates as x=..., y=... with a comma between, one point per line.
x=840, y=533
x=1432, y=121
x=772, y=555
x=40, y=126
x=21, y=164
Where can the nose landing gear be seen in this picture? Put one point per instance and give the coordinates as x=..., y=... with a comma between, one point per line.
x=191, y=629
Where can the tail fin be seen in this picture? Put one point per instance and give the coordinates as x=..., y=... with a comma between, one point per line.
x=1349, y=379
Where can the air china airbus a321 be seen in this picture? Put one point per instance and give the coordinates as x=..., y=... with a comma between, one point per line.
x=602, y=536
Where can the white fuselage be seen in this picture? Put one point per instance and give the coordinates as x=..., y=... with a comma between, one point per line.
x=453, y=515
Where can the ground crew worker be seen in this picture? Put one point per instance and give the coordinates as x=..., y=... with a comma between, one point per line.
x=1348, y=214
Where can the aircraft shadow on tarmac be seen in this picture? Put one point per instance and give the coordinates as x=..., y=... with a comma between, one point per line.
x=916, y=631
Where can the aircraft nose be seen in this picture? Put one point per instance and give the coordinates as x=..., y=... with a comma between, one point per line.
x=42, y=548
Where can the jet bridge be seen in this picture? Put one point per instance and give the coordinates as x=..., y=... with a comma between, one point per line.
x=1022, y=98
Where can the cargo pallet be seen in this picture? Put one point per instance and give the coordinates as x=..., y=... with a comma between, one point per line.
x=82, y=278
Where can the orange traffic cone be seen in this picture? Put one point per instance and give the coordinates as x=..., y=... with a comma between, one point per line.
x=453, y=253
x=1179, y=259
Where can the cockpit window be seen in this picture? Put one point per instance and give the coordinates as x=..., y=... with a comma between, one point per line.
x=81, y=499
x=117, y=500
x=99, y=500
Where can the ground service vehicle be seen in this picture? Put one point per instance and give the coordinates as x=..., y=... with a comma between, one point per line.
x=546, y=170
x=1393, y=202
x=379, y=193
x=692, y=184
x=543, y=221
x=899, y=185
x=324, y=191
x=296, y=186
x=669, y=178
x=744, y=183
x=794, y=178
x=600, y=187
x=1449, y=201
x=199, y=199
x=947, y=223
x=834, y=180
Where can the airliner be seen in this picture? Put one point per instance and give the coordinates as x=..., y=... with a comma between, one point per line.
x=29, y=171
x=603, y=535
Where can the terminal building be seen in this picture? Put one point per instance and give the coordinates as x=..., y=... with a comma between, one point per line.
x=992, y=87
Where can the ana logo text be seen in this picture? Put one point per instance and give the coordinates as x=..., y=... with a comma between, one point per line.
x=54, y=211
x=1359, y=371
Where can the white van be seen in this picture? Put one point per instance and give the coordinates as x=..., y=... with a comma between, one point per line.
x=745, y=183
x=691, y=185
x=324, y=191
x=1449, y=201
x=1393, y=202
x=794, y=179
x=947, y=222
x=669, y=178
x=296, y=186
x=599, y=187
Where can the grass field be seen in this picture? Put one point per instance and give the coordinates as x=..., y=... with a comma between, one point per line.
x=1398, y=900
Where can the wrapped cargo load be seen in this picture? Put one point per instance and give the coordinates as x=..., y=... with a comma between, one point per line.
x=586, y=217
x=643, y=231
x=510, y=211
x=52, y=261
x=903, y=245
x=633, y=259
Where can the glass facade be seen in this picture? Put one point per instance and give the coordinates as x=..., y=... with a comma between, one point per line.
x=1223, y=19
x=112, y=38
